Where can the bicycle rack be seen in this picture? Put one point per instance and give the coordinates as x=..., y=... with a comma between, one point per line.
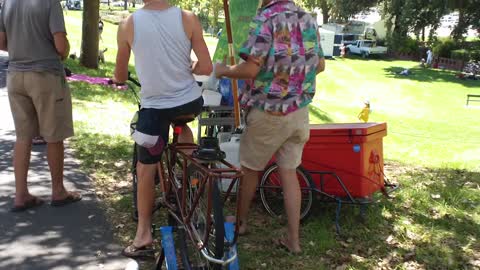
x=349, y=199
x=168, y=254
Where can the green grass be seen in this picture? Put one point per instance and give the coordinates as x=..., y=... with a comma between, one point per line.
x=432, y=148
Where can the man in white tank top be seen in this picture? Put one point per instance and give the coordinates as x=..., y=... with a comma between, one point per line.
x=161, y=38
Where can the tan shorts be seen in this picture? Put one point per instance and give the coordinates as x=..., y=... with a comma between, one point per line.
x=268, y=135
x=41, y=104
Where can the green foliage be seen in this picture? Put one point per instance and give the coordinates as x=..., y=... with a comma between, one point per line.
x=340, y=10
x=242, y=13
x=444, y=49
x=466, y=55
x=461, y=54
x=410, y=46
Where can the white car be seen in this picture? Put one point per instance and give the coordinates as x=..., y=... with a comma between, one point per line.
x=365, y=48
x=118, y=4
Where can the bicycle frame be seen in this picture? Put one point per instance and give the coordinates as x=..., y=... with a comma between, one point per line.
x=170, y=185
x=178, y=210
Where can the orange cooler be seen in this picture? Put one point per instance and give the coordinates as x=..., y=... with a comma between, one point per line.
x=354, y=152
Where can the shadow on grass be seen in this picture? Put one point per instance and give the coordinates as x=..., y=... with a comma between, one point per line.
x=382, y=58
x=431, y=221
x=429, y=75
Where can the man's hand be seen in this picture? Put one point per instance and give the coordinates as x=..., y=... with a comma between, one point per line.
x=220, y=70
x=3, y=41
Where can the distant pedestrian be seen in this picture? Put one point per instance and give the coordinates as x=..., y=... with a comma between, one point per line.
x=100, y=28
x=37, y=90
x=219, y=34
x=429, y=57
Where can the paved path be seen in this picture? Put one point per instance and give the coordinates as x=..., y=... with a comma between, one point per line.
x=77, y=236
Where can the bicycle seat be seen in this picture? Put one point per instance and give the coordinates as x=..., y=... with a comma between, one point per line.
x=209, y=150
x=182, y=120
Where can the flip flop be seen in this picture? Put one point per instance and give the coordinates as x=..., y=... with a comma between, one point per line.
x=71, y=198
x=30, y=204
x=138, y=252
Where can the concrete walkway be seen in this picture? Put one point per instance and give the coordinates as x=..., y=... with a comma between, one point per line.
x=77, y=236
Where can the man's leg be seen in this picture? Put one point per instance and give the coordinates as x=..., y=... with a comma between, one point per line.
x=145, y=201
x=21, y=163
x=292, y=200
x=55, y=157
x=247, y=189
x=186, y=136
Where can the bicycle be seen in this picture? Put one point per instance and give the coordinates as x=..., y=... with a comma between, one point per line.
x=192, y=198
x=271, y=193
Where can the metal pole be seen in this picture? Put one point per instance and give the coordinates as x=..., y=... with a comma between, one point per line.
x=231, y=52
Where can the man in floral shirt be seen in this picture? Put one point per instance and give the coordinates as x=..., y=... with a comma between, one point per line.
x=282, y=58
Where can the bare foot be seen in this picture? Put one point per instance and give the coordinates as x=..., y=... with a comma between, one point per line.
x=22, y=200
x=288, y=246
x=65, y=194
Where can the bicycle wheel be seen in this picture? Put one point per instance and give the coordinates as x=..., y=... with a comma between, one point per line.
x=216, y=243
x=271, y=192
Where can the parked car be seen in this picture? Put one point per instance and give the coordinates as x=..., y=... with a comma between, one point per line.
x=118, y=4
x=365, y=48
x=74, y=4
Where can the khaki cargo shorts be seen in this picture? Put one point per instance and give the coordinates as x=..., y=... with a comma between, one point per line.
x=268, y=135
x=41, y=105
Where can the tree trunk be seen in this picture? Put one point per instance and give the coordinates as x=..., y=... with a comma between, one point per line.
x=89, y=52
x=125, y=4
x=325, y=11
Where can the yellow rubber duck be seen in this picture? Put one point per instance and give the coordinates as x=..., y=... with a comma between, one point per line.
x=365, y=113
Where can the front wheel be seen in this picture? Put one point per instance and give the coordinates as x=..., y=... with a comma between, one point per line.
x=216, y=234
x=271, y=192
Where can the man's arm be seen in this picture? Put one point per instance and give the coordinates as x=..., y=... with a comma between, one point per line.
x=58, y=30
x=124, y=39
x=204, y=64
x=3, y=41
x=61, y=44
x=244, y=71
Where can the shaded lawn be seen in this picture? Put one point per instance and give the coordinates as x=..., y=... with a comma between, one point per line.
x=431, y=223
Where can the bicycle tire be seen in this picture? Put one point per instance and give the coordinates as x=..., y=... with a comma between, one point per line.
x=217, y=227
x=270, y=187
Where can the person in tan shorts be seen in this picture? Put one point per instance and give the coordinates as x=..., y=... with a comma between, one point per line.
x=33, y=33
x=282, y=58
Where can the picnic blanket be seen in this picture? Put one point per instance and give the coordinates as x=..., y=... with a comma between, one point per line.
x=88, y=79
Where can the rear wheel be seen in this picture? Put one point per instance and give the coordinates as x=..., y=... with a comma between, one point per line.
x=271, y=192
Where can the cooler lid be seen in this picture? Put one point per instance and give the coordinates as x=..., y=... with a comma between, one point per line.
x=347, y=129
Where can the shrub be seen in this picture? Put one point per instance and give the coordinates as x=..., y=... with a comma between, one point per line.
x=445, y=48
x=410, y=46
x=475, y=55
x=462, y=54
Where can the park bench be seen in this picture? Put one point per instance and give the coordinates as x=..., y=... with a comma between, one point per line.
x=472, y=98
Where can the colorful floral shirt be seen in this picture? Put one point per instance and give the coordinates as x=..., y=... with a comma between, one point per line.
x=284, y=40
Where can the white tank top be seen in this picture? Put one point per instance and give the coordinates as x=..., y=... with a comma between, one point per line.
x=162, y=59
